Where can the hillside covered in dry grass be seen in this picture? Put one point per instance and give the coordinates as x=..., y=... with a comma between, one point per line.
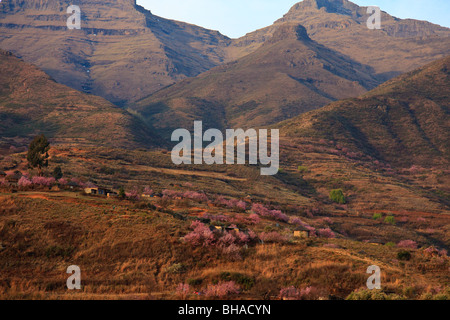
x=32, y=103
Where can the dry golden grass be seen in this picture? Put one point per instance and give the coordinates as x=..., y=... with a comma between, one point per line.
x=127, y=253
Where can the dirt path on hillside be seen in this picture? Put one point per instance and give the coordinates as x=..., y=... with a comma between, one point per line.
x=208, y=174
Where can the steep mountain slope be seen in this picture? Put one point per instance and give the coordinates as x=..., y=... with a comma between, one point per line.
x=400, y=46
x=404, y=121
x=121, y=53
x=32, y=103
x=285, y=74
x=290, y=74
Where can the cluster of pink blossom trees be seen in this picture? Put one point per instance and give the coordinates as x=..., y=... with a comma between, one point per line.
x=326, y=233
x=222, y=290
x=433, y=251
x=196, y=196
x=201, y=235
x=262, y=211
x=133, y=194
x=38, y=181
x=251, y=219
x=326, y=220
x=24, y=181
x=147, y=191
x=229, y=242
x=43, y=181
x=272, y=236
x=183, y=290
x=216, y=217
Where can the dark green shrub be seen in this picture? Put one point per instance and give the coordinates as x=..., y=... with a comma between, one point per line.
x=176, y=268
x=390, y=244
x=122, y=193
x=337, y=196
x=194, y=282
x=57, y=251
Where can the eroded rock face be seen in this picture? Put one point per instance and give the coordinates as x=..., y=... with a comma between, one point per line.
x=331, y=11
x=122, y=52
x=33, y=103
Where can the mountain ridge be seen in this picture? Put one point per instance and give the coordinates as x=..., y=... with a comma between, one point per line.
x=289, y=74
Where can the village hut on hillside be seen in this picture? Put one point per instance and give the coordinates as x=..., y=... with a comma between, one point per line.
x=301, y=232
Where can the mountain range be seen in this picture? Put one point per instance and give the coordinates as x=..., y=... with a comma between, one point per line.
x=125, y=53
x=288, y=75
x=121, y=53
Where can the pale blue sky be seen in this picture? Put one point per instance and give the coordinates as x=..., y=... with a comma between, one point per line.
x=235, y=18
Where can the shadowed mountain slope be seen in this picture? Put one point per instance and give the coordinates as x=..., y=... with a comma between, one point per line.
x=404, y=121
x=32, y=103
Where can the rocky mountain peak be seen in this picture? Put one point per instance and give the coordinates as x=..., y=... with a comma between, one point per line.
x=290, y=31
